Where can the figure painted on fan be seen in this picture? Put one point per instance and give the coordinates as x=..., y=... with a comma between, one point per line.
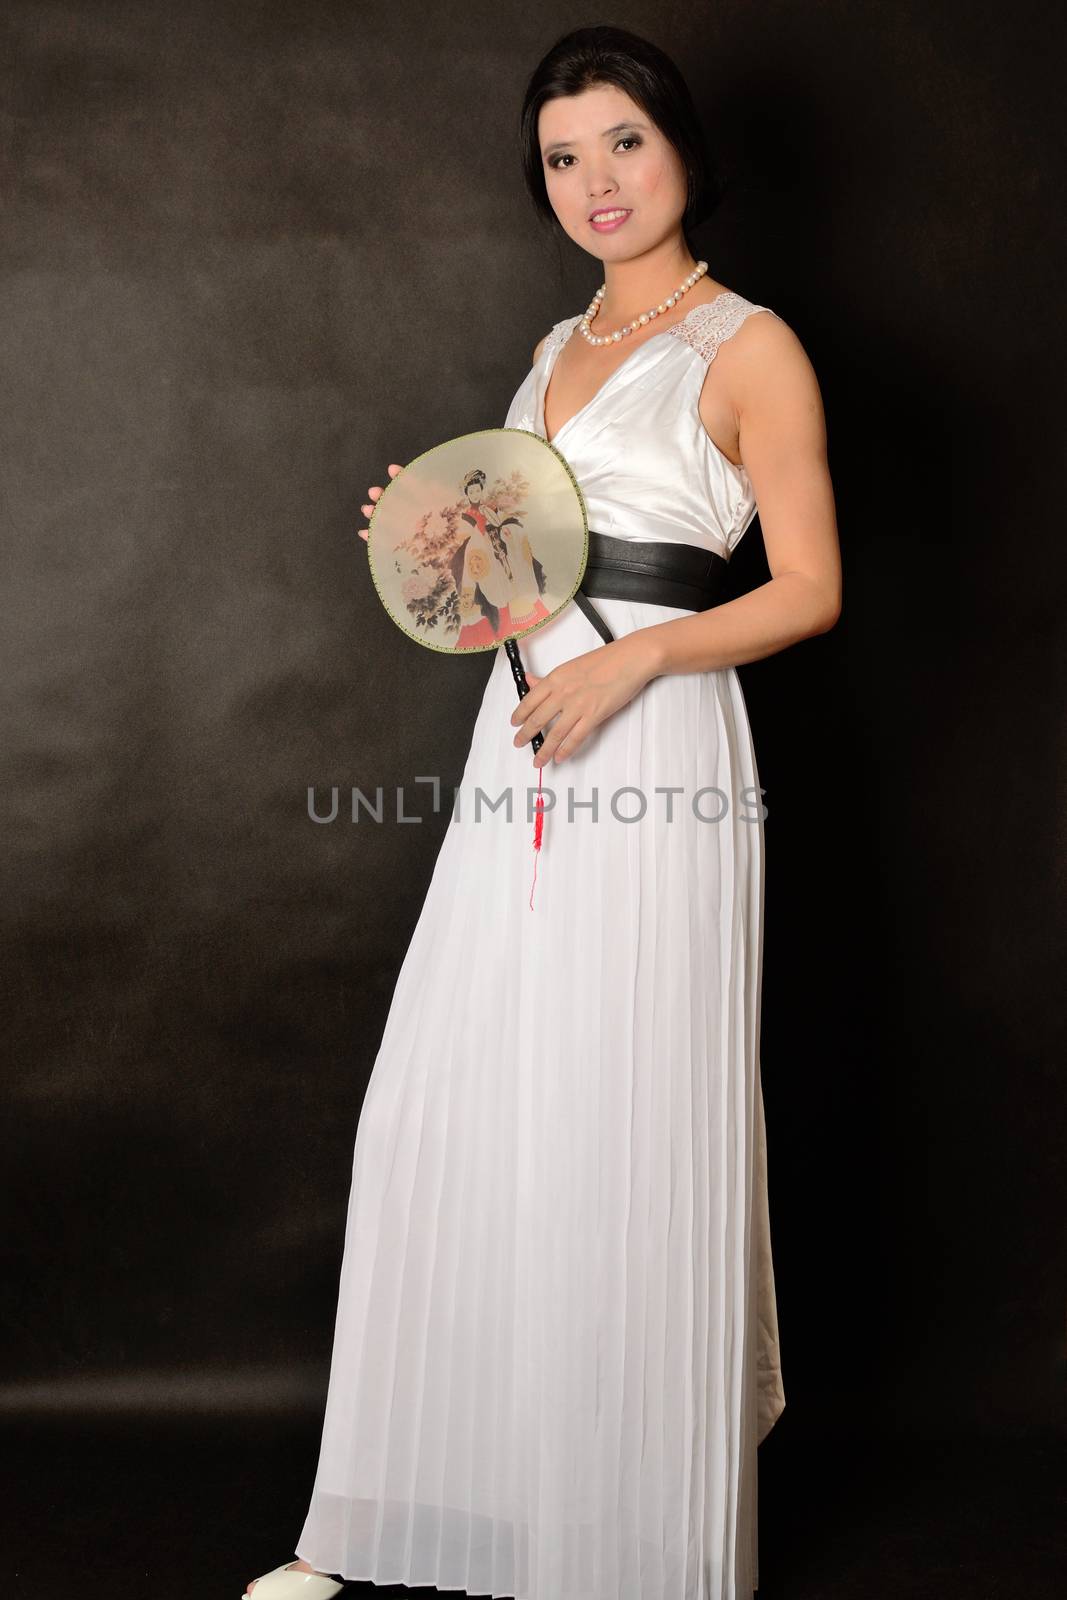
x=499, y=579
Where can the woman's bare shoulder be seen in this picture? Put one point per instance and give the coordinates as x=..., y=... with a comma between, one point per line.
x=753, y=347
x=756, y=364
x=766, y=349
x=762, y=331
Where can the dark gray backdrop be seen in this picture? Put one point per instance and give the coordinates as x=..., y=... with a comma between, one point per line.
x=251, y=254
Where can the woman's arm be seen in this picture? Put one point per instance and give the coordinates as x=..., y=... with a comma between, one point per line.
x=771, y=386
x=775, y=400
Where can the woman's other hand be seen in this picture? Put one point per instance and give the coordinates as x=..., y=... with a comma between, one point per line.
x=375, y=493
x=581, y=694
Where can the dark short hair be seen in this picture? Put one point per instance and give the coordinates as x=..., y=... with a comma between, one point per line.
x=603, y=54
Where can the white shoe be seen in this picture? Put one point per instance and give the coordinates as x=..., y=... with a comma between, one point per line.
x=284, y=1584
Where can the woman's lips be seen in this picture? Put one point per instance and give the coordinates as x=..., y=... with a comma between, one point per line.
x=609, y=227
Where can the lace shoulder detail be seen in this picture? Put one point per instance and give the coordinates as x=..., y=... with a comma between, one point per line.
x=559, y=333
x=709, y=325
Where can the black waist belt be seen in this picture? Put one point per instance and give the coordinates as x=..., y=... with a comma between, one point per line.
x=649, y=570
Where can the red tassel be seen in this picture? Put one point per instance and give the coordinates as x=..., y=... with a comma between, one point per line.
x=539, y=827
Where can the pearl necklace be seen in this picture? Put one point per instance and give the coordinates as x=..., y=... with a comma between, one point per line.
x=645, y=317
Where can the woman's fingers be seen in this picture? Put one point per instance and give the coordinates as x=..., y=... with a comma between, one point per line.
x=375, y=493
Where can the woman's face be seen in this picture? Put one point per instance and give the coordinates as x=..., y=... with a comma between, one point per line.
x=601, y=152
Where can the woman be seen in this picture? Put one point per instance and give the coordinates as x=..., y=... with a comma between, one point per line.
x=556, y=1343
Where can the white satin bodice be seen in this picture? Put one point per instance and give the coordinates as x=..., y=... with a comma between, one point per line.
x=640, y=453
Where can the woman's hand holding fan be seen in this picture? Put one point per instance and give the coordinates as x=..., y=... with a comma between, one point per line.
x=582, y=693
x=374, y=493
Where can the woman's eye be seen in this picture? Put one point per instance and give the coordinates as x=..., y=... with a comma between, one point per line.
x=627, y=138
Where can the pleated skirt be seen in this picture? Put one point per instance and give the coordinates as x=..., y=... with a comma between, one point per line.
x=556, y=1342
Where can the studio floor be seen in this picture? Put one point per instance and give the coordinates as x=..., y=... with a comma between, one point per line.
x=195, y=1506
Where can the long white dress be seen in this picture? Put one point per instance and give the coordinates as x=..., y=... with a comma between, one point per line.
x=556, y=1342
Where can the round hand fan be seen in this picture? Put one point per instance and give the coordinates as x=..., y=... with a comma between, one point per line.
x=479, y=541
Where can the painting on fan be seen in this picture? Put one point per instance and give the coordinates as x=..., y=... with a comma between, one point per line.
x=472, y=553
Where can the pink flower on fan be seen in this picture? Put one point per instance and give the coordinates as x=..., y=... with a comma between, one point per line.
x=417, y=587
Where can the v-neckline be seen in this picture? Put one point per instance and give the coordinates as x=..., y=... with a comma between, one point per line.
x=546, y=377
